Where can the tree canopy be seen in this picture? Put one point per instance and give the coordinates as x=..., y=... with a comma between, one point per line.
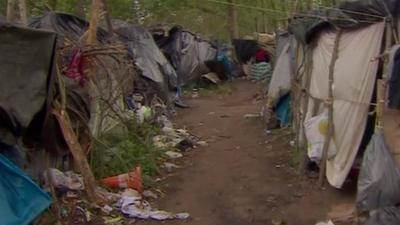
x=209, y=17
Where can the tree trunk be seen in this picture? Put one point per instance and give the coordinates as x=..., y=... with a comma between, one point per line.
x=264, y=19
x=53, y=4
x=233, y=19
x=11, y=11
x=23, y=12
x=94, y=20
x=108, y=17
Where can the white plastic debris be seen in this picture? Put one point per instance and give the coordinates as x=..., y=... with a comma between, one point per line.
x=143, y=114
x=68, y=180
x=249, y=115
x=134, y=207
x=170, y=166
x=173, y=155
x=325, y=223
x=107, y=209
x=202, y=143
x=149, y=194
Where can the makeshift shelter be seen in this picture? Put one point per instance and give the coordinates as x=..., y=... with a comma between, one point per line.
x=149, y=59
x=108, y=99
x=187, y=52
x=26, y=64
x=336, y=85
x=333, y=66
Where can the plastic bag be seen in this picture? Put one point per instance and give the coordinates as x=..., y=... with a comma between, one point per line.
x=386, y=216
x=316, y=129
x=379, y=180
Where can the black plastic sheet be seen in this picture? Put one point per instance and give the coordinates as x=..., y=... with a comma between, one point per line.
x=187, y=54
x=148, y=57
x=25, y=69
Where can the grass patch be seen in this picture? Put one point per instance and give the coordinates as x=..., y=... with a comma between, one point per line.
x=122, y=149
x=206, y=90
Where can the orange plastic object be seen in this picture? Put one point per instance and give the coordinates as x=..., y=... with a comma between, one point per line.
x=127, y=180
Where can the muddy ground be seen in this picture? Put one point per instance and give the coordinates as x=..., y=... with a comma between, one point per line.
x=245, y=176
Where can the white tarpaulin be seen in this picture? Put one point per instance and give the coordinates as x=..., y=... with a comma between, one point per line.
x=280, y=81
x=354, y=79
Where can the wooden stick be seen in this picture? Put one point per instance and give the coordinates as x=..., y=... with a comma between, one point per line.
x=108, y=17
x=94, y=20
x=330, y=110
x=308, y=71
x=381, y=84
x=77, y=153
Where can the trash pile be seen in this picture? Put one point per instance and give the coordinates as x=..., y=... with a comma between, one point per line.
x=126, y=204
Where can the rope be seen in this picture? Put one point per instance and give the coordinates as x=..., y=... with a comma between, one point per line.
x=353, y=12
x=286, y=13
x=330, y=101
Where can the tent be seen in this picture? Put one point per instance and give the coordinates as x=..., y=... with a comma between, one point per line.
x=305, y=66
x=148, y=58
x=187, y=52
x=339, y=68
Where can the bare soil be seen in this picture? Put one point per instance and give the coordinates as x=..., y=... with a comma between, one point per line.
x=245, y=176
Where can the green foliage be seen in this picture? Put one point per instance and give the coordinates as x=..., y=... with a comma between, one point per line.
x=122, y=149
x=208, y=17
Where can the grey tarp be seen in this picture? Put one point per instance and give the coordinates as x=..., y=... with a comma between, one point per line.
x=148, y=57
x=25, y=68
x=349, y=14
x=379, y=181
x=188, y=54
x=379, y=184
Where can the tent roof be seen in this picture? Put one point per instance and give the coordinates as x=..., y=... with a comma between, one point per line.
x=349, y=14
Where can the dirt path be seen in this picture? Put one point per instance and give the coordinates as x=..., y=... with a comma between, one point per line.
x=244, y=176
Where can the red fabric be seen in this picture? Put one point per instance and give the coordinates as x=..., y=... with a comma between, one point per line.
x=261, y=55
x=76, y=68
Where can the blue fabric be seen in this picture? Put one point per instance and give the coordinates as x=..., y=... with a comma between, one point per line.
x=283, y=111
x=21, y=200
x=224, y=58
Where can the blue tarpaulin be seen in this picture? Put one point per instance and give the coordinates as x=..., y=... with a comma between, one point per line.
x=283, y=111
x=21, y=199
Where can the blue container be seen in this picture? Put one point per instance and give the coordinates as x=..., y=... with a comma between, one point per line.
x=21, y=199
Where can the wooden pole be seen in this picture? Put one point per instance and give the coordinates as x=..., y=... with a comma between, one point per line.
x=264, y=20
x=330, y=102
x=304, y=110
x=23, y=14
x=94, y=20
x=108, y=17
x=77, y=152
x=233, y=19
x=11, y=11
x=382, y=83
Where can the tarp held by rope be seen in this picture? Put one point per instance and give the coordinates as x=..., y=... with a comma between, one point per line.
x=187, y=53
x=349, y=14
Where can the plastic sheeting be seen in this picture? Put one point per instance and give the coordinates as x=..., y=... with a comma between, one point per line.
x=280, y=83
x=354, y=79
x=352, y=14
x=245, y=49
x=21, y=200
x=25, y=68
x=379, y=184
x=148, y=57
x=394, y=81
x=187, y=54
